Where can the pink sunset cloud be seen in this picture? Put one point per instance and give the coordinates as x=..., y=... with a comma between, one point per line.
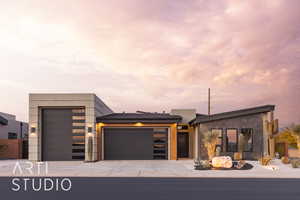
x=153, y=55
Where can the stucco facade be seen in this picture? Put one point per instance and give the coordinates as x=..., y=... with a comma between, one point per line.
x=94, y=107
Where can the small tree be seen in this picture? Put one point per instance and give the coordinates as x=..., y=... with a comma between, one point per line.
x=243, y=140
x=210, y=142
x=296, y=133
x=293, y=130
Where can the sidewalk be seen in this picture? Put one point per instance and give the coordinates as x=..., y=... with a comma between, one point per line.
x=147, y=168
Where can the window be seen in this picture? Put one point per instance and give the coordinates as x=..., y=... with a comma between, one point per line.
x=231, y=139
x=78, y=110
x=78, y=117
x=78, y=124
x=246, y=139
x=78, y=131
x=220, y=138
x=12, y=136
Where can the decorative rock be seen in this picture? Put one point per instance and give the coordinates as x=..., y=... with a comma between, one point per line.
x=222, y=162
x=240, y=164
x=202, y=165
x=296, y=163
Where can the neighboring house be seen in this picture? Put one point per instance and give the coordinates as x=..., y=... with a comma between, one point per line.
x=82, y=127
x=10, y=128
x=13, y=137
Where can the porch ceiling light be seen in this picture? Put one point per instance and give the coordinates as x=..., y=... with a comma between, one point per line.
x=138, y=124
x=100, y=124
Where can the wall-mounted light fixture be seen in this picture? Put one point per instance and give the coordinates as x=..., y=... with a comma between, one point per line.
x=33, y=131
x=90, y=131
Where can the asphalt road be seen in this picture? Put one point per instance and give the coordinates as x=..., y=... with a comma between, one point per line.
x=155, y=189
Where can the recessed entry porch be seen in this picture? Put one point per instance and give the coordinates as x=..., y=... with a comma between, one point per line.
x=137, y=136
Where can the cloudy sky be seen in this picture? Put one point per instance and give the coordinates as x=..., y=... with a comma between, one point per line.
x=153, y=55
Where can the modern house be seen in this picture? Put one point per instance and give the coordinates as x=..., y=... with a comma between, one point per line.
x=10, y=128
x=13, y=137
x=82, y=127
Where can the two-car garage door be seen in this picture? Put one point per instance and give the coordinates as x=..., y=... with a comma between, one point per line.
x=135, y=143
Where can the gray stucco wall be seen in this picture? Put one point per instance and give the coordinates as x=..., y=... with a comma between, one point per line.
x=252, y=121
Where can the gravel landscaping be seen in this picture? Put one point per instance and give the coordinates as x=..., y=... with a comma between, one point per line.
x=145, y=168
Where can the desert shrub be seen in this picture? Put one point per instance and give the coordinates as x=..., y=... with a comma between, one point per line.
x=237, y=156
x=295, y=163
x=210, y=142
x=265, y=160
x=202, y=165
x=285, y=160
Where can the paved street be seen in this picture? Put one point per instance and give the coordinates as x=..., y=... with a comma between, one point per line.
x=166, y=188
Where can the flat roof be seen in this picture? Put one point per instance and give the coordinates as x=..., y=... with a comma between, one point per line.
x=144, y=117
x=232, y=114
x=3, y=121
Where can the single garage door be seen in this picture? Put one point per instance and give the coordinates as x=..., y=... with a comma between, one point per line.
x=56, y=134
x=128, y=143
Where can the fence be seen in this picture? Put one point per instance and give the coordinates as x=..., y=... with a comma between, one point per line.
x=11, y=149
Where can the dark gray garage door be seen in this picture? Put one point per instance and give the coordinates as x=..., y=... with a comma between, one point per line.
x=128, y=143
x=56, y=134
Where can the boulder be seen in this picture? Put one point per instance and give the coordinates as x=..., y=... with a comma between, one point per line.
x=296, y=163
x=222, y=162
x=240, y=164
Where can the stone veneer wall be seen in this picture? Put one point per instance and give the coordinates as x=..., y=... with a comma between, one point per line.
x=256, y=122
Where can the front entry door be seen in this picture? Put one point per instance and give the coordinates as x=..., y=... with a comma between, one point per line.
x=183, y=145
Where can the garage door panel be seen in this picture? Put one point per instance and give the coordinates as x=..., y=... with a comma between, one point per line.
x=128, y=143
x=57, y=134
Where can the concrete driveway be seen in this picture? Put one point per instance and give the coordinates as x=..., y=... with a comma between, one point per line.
x=144, y=168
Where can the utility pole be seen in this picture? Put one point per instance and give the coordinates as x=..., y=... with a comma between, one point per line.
x=208, y=101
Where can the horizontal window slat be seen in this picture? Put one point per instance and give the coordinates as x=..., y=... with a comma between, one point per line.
x=74, y=124
x=78, y=117
x=78, y=131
